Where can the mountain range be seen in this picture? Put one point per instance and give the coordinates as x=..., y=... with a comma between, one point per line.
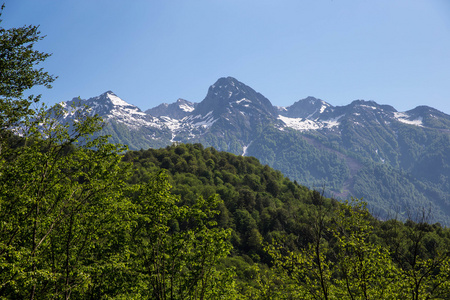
x=398, y=162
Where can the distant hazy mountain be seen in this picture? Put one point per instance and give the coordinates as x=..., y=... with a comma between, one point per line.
x=398, y=162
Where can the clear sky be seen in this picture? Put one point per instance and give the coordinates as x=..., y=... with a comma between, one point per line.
x=148, y=52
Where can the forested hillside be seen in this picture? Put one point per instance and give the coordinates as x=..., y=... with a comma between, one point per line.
x=284, y=235
x=258, y=202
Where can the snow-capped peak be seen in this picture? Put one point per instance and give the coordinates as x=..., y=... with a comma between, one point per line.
x=185, y=105
x=116, y=100
x=309, y=108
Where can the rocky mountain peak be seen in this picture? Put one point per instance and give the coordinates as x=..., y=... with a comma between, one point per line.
x=227, y=86
x=370, y=104
x=177, y=110
x=107, y=100
x=309, y=108
x=228, y=93
x=424, y=110
x=109, y=92
x=425, y=116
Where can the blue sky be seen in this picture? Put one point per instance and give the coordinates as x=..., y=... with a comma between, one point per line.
x=148, y=52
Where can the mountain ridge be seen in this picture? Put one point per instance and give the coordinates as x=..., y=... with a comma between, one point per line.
x=362, y=149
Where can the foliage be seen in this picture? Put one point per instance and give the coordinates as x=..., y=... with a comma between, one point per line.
x=258, y=202
x=176, y=248
x=18, y=61
x=365, y=270
x=70, y=226
x=318, y=244
x=356, y=268
x=53, y=199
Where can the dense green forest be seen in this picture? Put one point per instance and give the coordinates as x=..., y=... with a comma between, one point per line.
x=410, y=175
x=278, y=225
x=81, y=218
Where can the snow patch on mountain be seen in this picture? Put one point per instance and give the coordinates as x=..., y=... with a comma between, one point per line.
x=206, y=122
x=405, y=118
x=172, y=124
x=134, y=121
x=187, y=108
x=199, y=120
x=333, y=122
x=129, y=110
x=299, y=123
x=368, y=106
x=244, y=149
x=70, y=110
x=243, y=100
x=116, y=100
x=311, y=115
x=303, y=124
